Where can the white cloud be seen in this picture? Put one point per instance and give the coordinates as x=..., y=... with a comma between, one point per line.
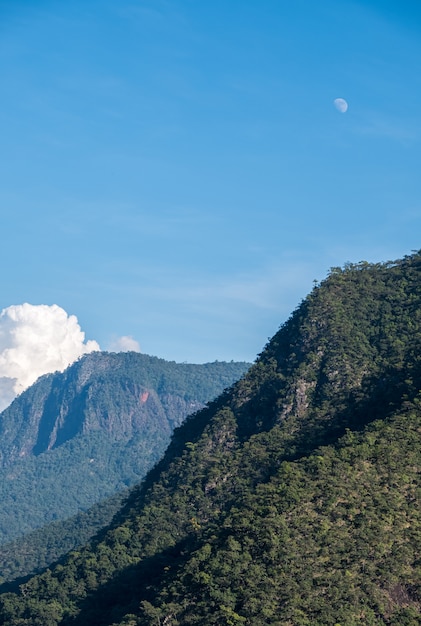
x=124, y=344
x=36, y=340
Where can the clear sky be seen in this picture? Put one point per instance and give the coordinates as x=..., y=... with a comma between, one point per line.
x=176, y=170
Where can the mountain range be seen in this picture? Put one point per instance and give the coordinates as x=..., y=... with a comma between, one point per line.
x=77, y=437
x=292, y=499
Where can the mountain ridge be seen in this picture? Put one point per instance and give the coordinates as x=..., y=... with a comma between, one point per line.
x=63, y=404
x=290, y=499
x=75, y=438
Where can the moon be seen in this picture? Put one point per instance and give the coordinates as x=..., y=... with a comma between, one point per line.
x=341, y=105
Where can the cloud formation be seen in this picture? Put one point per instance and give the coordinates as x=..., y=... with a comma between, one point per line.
x=36, y=340
x=124, y=344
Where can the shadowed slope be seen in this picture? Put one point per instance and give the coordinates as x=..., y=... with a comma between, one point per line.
x=77, y=437
x=291, y=499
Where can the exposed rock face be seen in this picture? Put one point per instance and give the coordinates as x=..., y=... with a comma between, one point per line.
x=119, y=393
x=291, y=499
x=76, y=437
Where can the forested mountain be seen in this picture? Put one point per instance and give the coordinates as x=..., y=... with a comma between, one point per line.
x=38, y=549
x=77, y=437
x=291, y=500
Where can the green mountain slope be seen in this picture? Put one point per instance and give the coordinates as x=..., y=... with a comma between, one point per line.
x=292, y=499
x=38, y=549
x=77, y=437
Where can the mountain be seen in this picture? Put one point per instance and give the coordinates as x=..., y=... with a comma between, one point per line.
x=292, y=499
x=36, y=550
x=77, y=437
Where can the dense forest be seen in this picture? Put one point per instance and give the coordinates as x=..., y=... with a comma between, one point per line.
x=290, y=500
x=39, y=548
x=78, y=437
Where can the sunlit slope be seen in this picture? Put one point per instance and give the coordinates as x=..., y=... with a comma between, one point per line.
x=293, y=499
x=77, y=437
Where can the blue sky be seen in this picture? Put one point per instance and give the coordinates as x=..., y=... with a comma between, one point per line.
x=176, y=170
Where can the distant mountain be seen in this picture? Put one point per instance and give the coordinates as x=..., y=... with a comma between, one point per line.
x=290, y=500
x=75, y=438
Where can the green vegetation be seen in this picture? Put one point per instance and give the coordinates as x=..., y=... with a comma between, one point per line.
x=77, y=437
x=38, y=549
x=291, y=500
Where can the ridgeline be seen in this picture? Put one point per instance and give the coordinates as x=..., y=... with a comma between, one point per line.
x=78, y=437
x=290, y=500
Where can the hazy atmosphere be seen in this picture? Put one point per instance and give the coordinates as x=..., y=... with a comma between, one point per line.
x=176, y=174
